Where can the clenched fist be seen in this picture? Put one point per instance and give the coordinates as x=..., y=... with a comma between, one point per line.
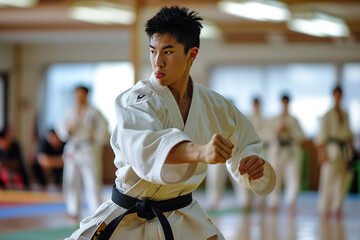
x=253, y=166
x=218, y=150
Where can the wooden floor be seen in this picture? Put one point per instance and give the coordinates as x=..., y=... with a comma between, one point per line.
x=27, y=215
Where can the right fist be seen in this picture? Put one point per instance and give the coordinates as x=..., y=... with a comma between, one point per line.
x=218, y=150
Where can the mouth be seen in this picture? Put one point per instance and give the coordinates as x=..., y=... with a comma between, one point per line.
x=159, y=75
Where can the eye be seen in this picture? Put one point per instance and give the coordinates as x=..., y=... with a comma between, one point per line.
x=168, y=52
x=152, y=51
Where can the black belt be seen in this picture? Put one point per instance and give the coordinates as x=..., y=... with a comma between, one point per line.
x=145, y=209
x=342, y=145
x=284, y=142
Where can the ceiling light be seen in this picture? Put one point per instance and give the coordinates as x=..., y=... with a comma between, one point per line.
x=18, y=3
x=210, y=31
x=256, y=10
x=319, y=25
x=100, y=12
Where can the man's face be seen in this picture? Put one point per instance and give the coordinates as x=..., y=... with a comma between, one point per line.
x=337, y=97
x=80, y=96
x=168, y=59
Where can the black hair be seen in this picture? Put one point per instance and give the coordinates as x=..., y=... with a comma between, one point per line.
x=338, y=89
x=285, y=97
x=83, y=88
x=179, y=23
x=256, y=100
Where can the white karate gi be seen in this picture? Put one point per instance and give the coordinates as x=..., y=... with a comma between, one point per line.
x=83, y=157
x=334, y=177
x=149, y=126
x=260, y=125
x=286, y=160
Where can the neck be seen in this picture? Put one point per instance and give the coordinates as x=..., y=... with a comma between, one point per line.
x=337, y=107
x=181, y=92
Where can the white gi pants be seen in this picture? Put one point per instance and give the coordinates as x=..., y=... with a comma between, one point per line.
x=82, y=171
x=287, y=168
x=334, y=181
x=217, y=175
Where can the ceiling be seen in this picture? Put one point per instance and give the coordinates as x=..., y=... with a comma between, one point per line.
x=48, y=22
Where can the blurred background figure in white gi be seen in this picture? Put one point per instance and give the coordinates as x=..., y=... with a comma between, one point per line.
x=334, y=155
x=85, y=131
x=285, y=156
x=259, y=123
x=216, y=180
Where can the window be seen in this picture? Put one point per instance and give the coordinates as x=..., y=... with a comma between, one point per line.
x=351, y=98
x=309, y=86
x=105, y=81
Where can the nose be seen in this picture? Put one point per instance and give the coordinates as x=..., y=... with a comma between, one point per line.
x=159, y=61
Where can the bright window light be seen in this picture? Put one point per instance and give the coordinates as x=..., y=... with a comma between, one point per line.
x=18, y=3
x=319, y=25
x=102, y=13
x=256, y=10
x=106, y=81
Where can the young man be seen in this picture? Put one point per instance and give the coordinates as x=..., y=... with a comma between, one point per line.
x=169, y=129
x=285, y=156
x=85, y=131
x=334, y=154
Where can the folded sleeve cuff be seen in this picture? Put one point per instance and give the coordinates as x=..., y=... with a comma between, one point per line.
x=263, y=185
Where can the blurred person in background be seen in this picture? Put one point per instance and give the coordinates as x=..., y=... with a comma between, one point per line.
x=12, y=166
x=49, y=164
x=260, y=125
x=334, y=144
x=286, y=137
x=85, y=131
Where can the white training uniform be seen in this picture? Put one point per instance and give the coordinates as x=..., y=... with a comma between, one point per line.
x=83, y=157
x=285, y=156
x=149, y=125
x=259, y=123
x=334, y=177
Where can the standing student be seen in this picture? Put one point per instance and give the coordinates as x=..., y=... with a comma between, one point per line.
x=285, y=156
x=85, y=131
x=168, y=130
x=259, y=123
x=334, y=155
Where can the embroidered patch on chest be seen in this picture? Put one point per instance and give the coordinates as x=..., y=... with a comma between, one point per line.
x=98, y=231
x=140, y=97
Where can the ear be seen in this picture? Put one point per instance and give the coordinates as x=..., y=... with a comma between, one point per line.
x=192, y=54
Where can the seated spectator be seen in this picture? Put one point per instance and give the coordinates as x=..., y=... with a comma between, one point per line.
x=12, y=165
x=49, y=165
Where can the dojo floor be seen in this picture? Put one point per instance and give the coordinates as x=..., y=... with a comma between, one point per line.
x=36, y=215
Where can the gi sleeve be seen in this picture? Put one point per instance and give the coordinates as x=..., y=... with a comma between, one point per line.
x=323, y=134
x=144, y=144
x=247, y=143
x=62, y=127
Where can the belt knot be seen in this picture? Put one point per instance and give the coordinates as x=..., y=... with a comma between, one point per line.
x=144, y=209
